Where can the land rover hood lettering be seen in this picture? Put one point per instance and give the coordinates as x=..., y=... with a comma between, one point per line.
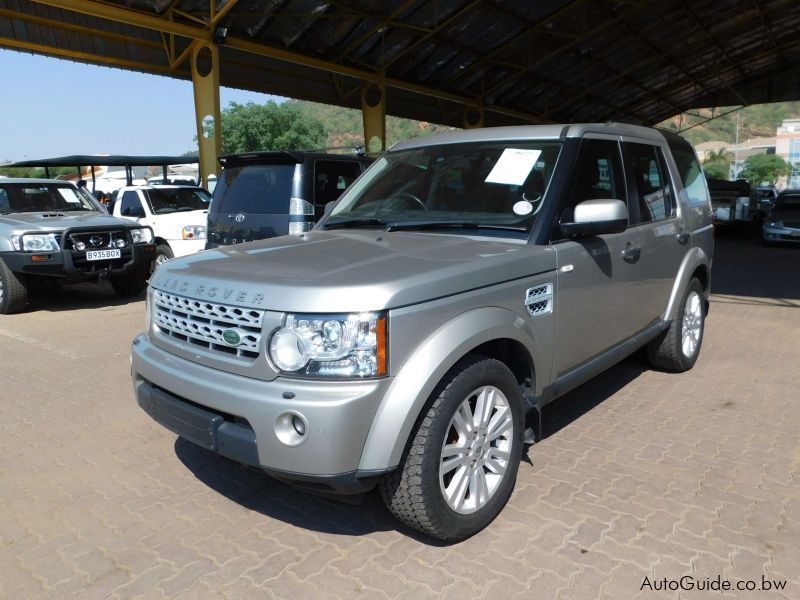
x=208, y=292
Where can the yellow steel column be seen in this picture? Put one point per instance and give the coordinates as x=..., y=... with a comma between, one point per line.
x=205, y=78
x=473, y=117
x=373, y=110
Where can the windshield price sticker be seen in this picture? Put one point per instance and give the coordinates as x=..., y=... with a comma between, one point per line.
x=513, y=166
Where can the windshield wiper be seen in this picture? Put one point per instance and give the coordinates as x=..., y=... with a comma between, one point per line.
x=348, y=223
x=423, y=225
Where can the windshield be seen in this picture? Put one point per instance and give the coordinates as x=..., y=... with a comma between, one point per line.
x=493, y=185
x=169, y=200
x=41, y=197
x=788, y=202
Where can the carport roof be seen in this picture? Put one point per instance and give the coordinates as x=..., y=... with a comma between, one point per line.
x=520, y=61
x=97, y=160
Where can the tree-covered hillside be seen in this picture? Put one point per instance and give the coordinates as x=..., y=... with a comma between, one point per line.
x=760, y=120
x=345, y=127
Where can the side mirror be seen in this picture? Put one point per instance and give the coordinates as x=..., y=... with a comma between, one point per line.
x=597, y=217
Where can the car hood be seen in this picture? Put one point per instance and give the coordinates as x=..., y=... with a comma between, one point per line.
x=350, y=271
x=170, y=225
x=58, y=221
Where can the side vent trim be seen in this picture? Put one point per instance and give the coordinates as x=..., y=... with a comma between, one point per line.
x=539, y=300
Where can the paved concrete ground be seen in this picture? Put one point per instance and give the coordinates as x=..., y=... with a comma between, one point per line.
x=642, y=474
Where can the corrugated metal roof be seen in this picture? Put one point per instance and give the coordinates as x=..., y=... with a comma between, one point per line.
x=535, y=61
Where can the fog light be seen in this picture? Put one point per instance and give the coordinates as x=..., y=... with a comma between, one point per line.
x=119, y=243
x=80, y=246
x=291, y=428
x=298, y=425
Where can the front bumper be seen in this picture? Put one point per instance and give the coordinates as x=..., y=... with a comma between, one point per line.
x=781, y=234
x=72, y=266
x=241, y=417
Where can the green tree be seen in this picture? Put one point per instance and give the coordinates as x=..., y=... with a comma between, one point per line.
x=764, y=168
x=718, y=164
x=258, y=127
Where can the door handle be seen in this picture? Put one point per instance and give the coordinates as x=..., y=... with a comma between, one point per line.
x=631, y=253
x=682, y=238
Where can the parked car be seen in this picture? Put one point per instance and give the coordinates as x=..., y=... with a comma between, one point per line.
x=734, y=205
x=50, y=230
x=266, y=194
x=176, y=213
x=783, y=222
x=465, y=281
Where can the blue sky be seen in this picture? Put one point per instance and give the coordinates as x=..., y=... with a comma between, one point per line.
x=51, y=107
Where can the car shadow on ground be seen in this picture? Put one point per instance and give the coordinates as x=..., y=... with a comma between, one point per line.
x=76, y=297
x=746, y=269
x=256, y=491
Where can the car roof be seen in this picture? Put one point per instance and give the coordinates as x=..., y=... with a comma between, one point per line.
x=286, y=156
x=531, y=132
x=34, y=180
x=169, y=186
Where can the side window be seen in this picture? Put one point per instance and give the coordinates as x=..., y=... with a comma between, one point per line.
x=598, y=173
x=332, y=177
x=131, y=205
x=5, y=203
x=653, y=190
x=691, y=174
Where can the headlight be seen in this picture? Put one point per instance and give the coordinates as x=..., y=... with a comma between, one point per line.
x=775, y=224
x=37, y=242
x=331, y=345
x=142, y=235
x=194, y=232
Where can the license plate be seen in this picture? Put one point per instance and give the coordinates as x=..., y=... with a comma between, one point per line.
x=103, y=254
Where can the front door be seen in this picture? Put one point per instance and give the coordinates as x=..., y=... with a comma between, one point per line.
x=599, y=277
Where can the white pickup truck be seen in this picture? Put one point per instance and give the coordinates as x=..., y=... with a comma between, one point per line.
x=176, y=213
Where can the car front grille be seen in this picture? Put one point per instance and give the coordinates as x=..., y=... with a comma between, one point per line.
x=203, y=324
x=97, y=240
x=792, y=224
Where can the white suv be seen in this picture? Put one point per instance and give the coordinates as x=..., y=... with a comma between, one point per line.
x=176, y=213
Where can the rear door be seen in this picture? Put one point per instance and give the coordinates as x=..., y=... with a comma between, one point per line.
x=331, y=178
x=251, y=202
x=654, y=216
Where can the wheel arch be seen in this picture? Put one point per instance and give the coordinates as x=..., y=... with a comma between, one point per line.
x=696, y=263
x=492, y=332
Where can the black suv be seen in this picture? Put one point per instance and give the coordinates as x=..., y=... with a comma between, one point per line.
x=267, y=194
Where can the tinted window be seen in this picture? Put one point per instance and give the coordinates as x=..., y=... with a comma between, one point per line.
x=332, y=177
x=131, y=206
x=44, y=197
x=169, y=200
x=598, y=174
x=255, y=189
x=652, y=186
x=788, y=202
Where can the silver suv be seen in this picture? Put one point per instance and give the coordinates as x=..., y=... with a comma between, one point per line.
x=409, y=340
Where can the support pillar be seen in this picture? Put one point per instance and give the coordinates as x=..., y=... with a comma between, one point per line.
x=373, y=110
x=473, y=117
x=205, y=80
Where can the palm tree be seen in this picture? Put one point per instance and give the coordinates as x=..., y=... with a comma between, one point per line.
x=717, y=164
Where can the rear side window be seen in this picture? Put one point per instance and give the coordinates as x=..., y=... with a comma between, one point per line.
x=255, y=189
x=332, y=177
x=690, y=172
x=653, y=189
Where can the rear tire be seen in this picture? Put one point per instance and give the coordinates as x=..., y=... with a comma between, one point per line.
x=132, y=285
x=678, y=347
x=460, y=465
x=13, y=291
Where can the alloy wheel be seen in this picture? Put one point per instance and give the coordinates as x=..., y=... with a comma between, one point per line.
x=692, y=326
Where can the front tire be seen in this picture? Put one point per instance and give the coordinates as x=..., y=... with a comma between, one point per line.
x=13, y=291
x=678, y=347
x=163, y=254
x=132, y=285
x=459, y=468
